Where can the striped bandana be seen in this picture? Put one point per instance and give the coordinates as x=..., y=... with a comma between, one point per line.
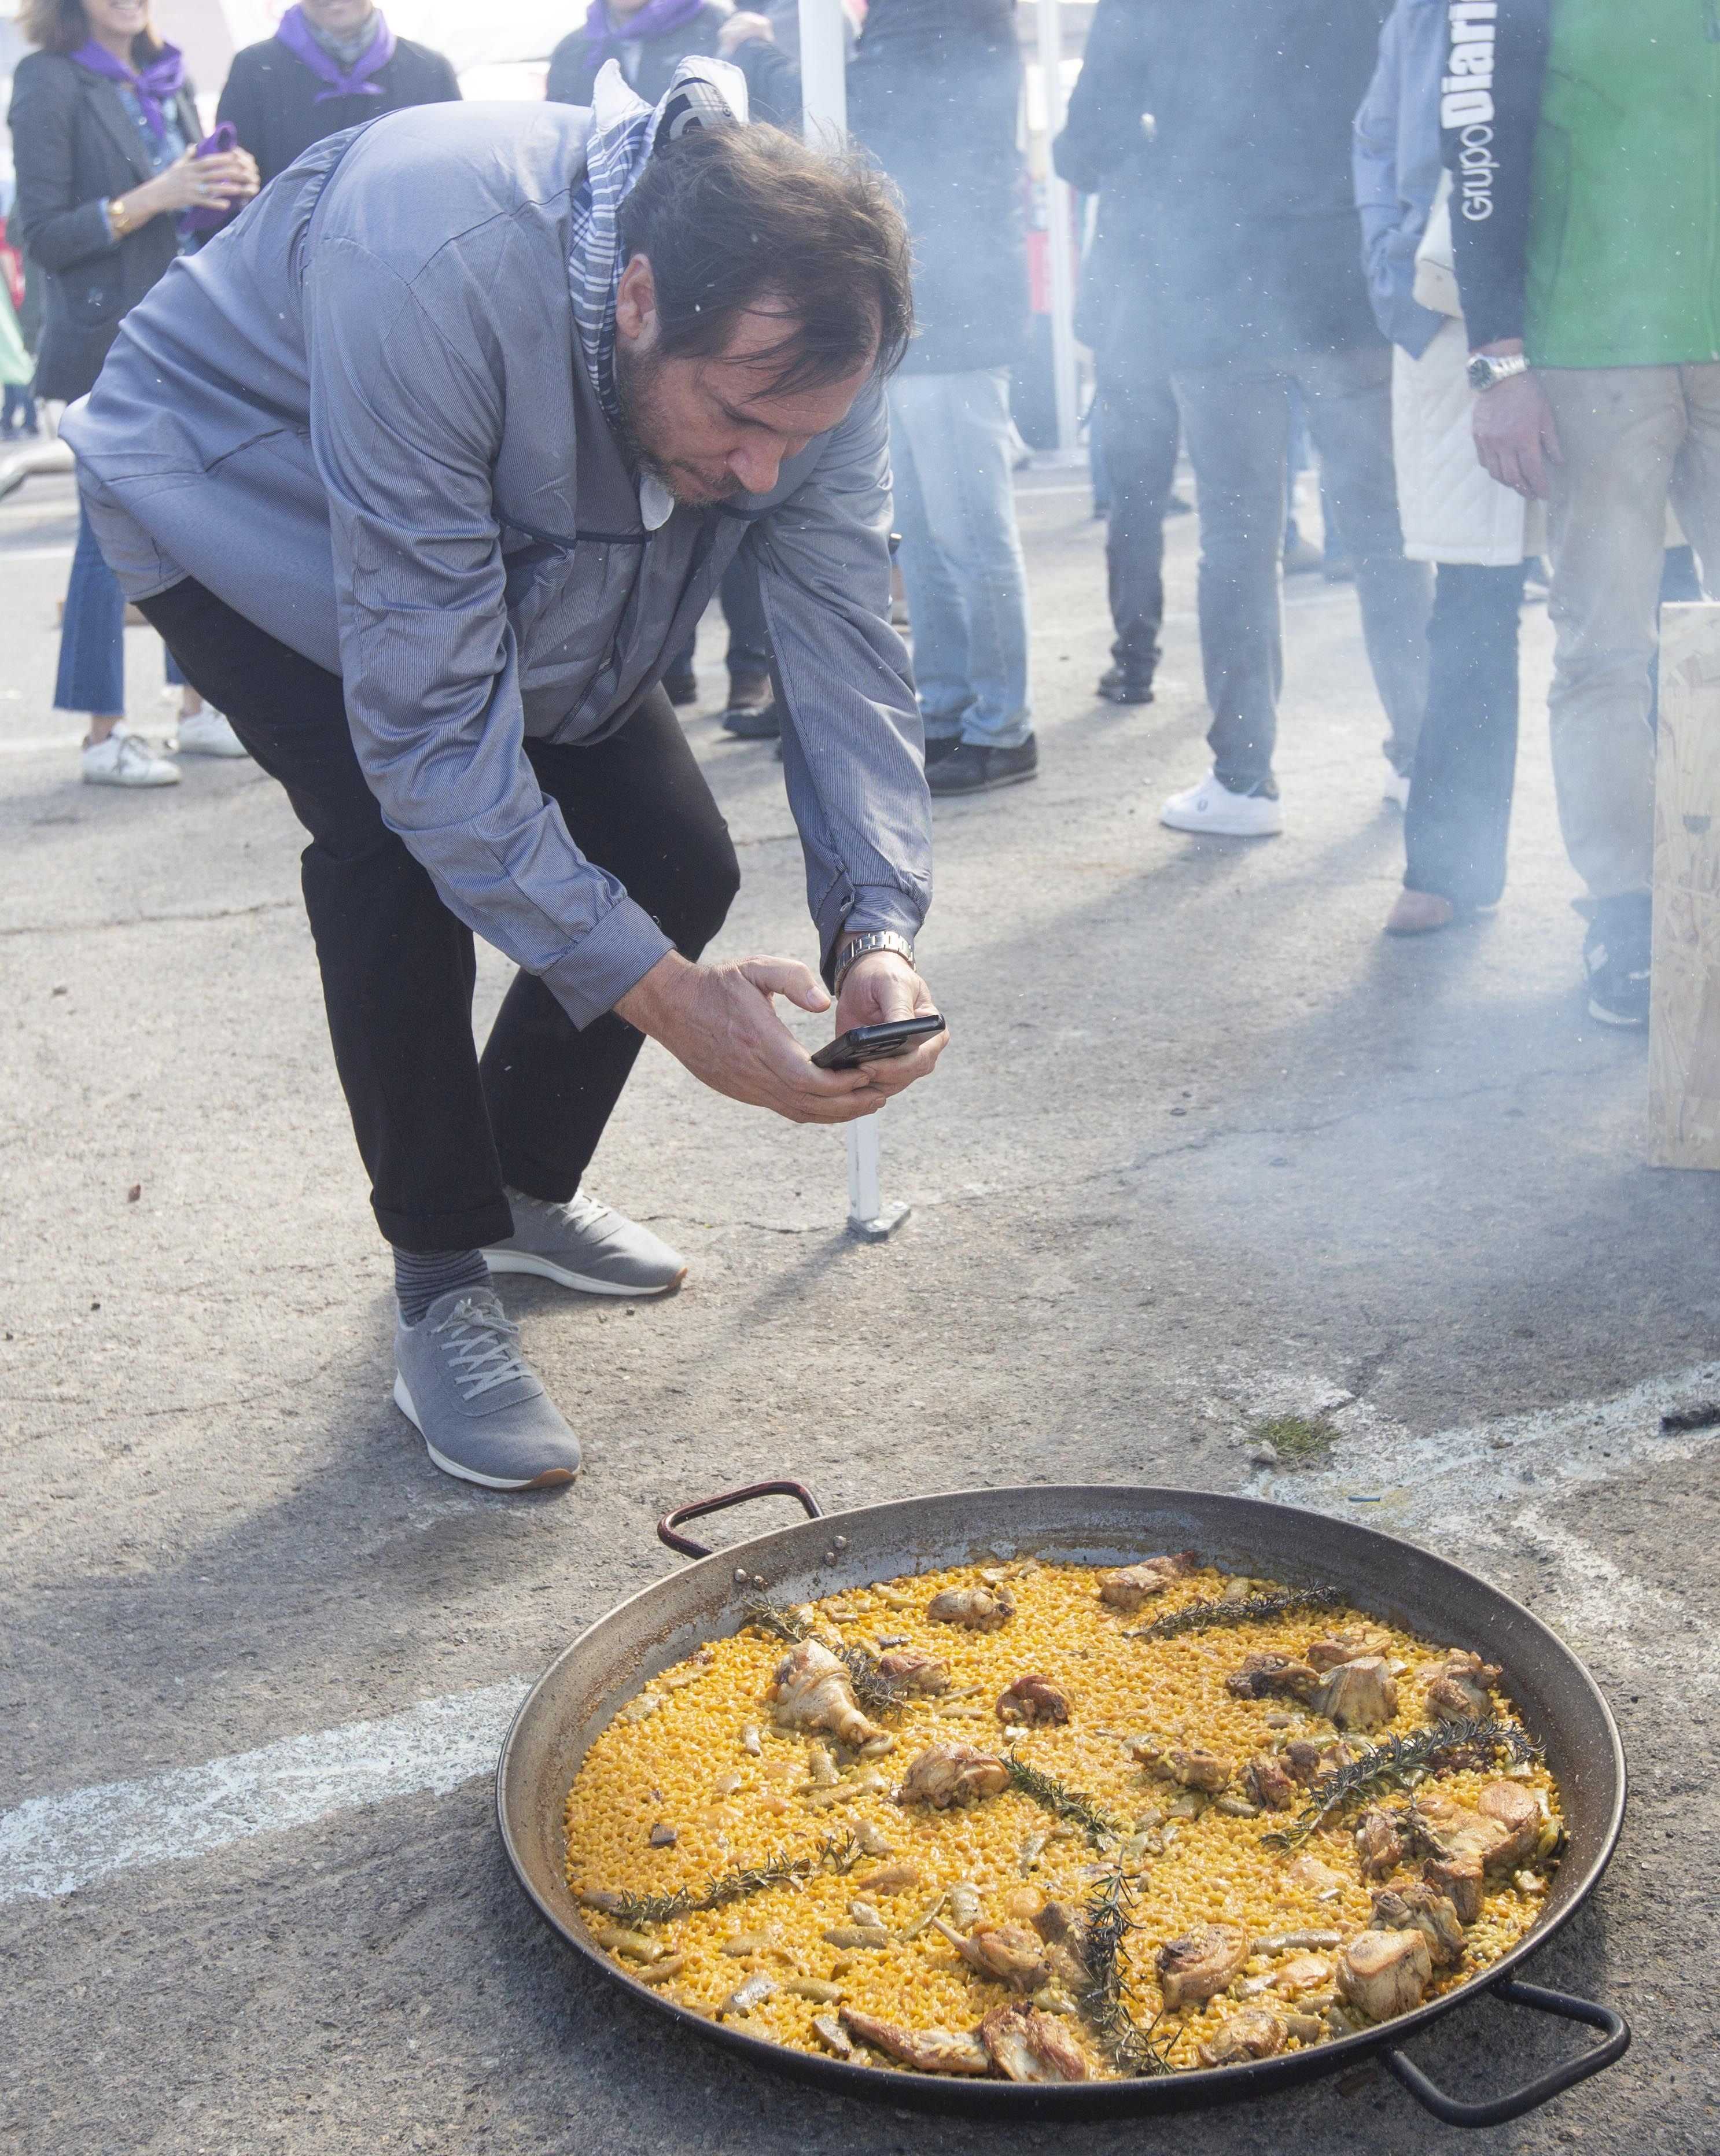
x=625, y=130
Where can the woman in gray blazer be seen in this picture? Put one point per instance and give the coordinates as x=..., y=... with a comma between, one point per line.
x=104, y=129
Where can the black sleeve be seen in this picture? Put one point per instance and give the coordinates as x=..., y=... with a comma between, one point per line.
x=1110, y=95
x=773, y=82
x=569, y=79
x=49, y=220
x=446, y=90
x=1490, y=105
x=238, y=105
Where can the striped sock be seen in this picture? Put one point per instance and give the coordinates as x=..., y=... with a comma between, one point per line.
x=420, y=1276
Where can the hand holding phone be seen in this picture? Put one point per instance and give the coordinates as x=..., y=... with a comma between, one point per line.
x=877, y=1043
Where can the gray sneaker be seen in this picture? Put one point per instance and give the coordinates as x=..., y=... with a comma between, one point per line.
x=586, y=1245
x=461, y=1382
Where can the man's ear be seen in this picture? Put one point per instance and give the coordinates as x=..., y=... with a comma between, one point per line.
x=636, y=302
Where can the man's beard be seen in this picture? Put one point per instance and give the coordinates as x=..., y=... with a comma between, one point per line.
x=642, y=429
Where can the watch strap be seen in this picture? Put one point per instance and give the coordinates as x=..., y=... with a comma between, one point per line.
x=874, y=939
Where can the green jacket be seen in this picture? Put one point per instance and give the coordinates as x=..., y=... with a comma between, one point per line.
x=1623, y=265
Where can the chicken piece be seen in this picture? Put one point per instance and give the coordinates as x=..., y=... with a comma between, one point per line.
x=1002, y=1953
x=1137, y=1584
x=1379, y=1842
x=933, y=2051
x=914, y=1671
x=1269, y=1784
x=891, y=1879
x=1252, y=2034
x=813, y=1690
x=1513, y=1808
x=1462, y=1686
x=980, y=1610
x=1458, y=1879
x=1059, y=1925
x=1033, y=1698
x=1346, y=1646
x=1029, y=2046
x=1193, y=1969
x=1308, y=1762
x=832, y=2033
x=951, y=1773
x=1360, y=1695
x=1195, y=1768
x=1384, y=1972
x=1308, y=1972
x=1313, y=1876
x=1266, y=1676
x=1418, y=1907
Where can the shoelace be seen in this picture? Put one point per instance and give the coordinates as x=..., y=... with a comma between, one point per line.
x=478, y=1347
x=583, y=1212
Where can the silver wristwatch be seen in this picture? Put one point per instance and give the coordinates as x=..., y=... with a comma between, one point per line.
x=1486, y=372
x=874, y=939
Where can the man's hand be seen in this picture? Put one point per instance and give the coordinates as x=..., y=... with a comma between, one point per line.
x=718, y=1021
x=876, y=989
x=740, y=26
x=1514, y=430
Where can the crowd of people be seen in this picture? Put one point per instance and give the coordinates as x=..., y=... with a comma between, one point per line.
x=1465, y=249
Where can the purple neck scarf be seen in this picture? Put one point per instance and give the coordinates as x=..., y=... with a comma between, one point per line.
x=655, y=19
x=295, y=35
x=163, y=78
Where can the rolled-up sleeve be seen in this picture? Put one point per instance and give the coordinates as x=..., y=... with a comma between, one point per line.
x=406, y=422
x=853, y=752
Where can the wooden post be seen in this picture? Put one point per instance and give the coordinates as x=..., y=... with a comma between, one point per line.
x=1684, y=999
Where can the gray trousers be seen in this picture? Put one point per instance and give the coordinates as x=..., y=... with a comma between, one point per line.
x=1236, y=422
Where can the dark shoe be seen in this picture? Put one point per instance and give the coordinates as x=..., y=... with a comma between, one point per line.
x=1615, y=959
x=968, y=769
x=752, y=712
x=1126, y=685
x=1174, y=506
x=1301, y=558
x=939, y=746
x=681, y=688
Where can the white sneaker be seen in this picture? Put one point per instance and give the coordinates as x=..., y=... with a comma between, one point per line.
x=207, y=733
x=1211, y=806
x=1395, y=793
x=125, y=760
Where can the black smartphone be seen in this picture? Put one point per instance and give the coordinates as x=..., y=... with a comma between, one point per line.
x=873, y=1044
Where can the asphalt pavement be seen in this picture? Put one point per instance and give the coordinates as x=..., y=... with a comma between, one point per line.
x=1205, y=1148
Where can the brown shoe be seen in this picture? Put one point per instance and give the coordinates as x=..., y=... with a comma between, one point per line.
x=1418, y=913
x=751, y=711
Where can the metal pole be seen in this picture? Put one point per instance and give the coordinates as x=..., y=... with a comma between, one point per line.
x=868, y=1216
x=823, y=72
x=1059, y=234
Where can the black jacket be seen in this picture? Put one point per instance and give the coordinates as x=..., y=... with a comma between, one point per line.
x=934, y=93
x=75, y=146
x=571, y=74
x=1247, y=234
x=271, y=97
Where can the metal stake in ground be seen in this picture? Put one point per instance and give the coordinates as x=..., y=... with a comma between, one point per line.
x=868, y=1216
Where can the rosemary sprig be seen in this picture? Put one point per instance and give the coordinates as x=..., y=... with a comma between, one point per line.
x=771, y=1616
x=1443, y=1747
x=1056, y=1796
x=838, y=1853
x=1106, y=1921
x=1251, y=1609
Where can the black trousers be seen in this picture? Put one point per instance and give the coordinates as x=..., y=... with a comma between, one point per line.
x=440, y=1130
x=1459, y=818
x=1141, y=427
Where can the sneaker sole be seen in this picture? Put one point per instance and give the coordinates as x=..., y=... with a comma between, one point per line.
x=130, y=785
x=1605, y=1017
x=985, y=785
x=1205, y=827
x=524, y=1261
x=551, y=1477
x=231, y=755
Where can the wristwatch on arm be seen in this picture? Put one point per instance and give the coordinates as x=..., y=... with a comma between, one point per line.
x=1487, y=370
x=874, y=939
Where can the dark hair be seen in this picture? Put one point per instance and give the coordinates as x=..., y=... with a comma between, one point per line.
x=728, y=217
x=61, y=26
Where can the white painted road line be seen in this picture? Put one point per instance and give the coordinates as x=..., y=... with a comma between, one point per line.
x=1457, y=1488
x=53, y=1844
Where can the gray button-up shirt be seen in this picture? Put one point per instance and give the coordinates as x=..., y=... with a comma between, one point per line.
x=360, y=417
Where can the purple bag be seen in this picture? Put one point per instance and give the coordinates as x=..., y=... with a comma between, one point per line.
x=203, y=218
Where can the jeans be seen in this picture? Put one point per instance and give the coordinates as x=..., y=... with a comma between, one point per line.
x=1459, y=817
x=19, y=406
x=92, y=635
x=960, y=556
x=1632, y=437
x=441, y=1130
x=1236, y=421
x=1139, y=409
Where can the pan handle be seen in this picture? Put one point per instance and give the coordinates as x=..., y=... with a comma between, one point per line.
x=1534, y=2093
x=686, y=1544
